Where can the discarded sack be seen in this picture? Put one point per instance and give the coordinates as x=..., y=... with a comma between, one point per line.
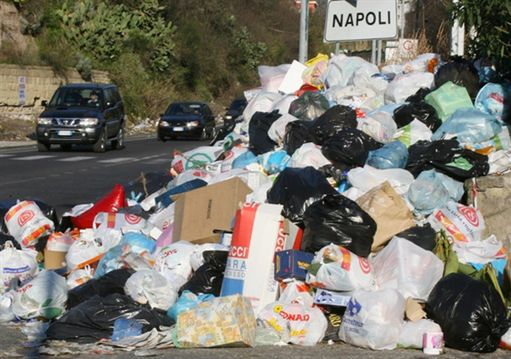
x=207, y=279
x=259, y=125
x=16, y=266
x=332, y=121
x=422, y=111
x=309, y=106
x=26, y=222
x=471, y=314
x=149, y=286
x=337, y=219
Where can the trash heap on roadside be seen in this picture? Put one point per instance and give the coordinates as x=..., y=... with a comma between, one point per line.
x=350, y=204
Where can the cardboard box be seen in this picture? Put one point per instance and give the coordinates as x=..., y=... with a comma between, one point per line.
x=413, y=310
x=220, y=321
x=250, y=271
x=329, y=297
x=201, y=211
x=292, y=264
x=54, y=259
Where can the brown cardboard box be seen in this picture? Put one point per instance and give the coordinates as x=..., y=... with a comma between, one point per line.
x=413, y=310
x=54, y=259
x=201, y=211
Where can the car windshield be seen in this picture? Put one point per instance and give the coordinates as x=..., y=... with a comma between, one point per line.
x=73, y=97
x=184, y=109
x=238, y=105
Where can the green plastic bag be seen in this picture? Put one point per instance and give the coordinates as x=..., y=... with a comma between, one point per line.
x=448, y=98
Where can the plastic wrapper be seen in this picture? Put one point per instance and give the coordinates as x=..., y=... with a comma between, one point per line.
x=207, y=279
x=294, y=323
x=447, y=157
x=408, y=268
x=332, y=121
x=309, y=106
x=277, y=130
x=412, y=133
x=421, y=111
x=336, y=268
x=186, y=301
x=469, y=126
x=297, y=133
x=16, y=266
x=150, y=287
x=94, y=319
x=338, y=220
x=44, y=296
x=379, y=125
x=259, y=125
x=446, y=99
x=349, y=148
x=308, y=154
x=461, y=72
x=373, y=320
x=391, y=155
x=26, y=223
x=296, y=189
x=411, y=336
x=470, y=313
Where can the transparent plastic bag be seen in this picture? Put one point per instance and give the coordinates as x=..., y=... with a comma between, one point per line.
x=411, y=336
x=406, y=85
x=16, y=265
x=308, y=154
x=373, y=319
x=378, y=125
x=173, y=262
x=391, y=155
x=367, y=177
x=149, y=286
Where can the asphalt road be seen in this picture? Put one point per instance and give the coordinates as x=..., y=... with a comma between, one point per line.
x=66, y=178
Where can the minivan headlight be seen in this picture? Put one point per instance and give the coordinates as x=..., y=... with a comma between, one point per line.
x=44, y=121
x=193, y=124
x=88, y=121
x=163, y=123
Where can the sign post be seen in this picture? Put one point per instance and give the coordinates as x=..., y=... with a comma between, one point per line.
x=353, y=20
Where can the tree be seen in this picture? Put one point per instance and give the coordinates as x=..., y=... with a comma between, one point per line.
x=491, y=20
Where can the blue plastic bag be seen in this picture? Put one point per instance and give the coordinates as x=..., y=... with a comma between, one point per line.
x=469, y=125
x=244, y=160
x=391, y=155
x=131, y=243
x=494, y=100
x=274, y=162
x=187, y=301
x=432, y=190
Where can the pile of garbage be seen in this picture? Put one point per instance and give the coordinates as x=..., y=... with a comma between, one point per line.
x=350, y=203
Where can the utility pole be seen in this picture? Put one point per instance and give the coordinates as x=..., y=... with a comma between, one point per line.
x=304, y=30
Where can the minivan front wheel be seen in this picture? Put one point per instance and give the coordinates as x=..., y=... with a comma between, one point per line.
x=118, y=142
x=43, y=147
x=100, y=145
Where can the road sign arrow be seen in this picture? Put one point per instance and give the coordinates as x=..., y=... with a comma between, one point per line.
x=352, y=2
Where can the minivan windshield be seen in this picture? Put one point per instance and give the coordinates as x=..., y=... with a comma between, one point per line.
x=177, y=109
x=76, y=97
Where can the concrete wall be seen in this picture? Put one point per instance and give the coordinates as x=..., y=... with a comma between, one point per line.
x=40, y=83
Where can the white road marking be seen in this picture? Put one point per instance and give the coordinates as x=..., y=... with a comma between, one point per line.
x=32, y=158
x=157, y=161
x=117, y=160
x=75, y=158
x=3, y=156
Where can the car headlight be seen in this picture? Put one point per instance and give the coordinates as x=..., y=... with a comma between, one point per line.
x=163, y=124
x=193, y=124
x=228, y=117
x=44, y=121
x=89, y=121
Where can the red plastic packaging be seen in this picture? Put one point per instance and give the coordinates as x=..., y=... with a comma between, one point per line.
x=110, y=203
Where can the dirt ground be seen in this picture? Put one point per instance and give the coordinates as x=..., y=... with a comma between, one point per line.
x=16, y=129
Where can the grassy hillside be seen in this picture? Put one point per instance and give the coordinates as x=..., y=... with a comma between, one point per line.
x=161, y=50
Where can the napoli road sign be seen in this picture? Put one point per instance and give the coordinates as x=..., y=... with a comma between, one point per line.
x=351, y=20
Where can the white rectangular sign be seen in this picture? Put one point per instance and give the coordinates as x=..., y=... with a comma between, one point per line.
x=350, y=20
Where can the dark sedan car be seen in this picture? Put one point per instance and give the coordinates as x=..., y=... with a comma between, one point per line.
x=186, y=119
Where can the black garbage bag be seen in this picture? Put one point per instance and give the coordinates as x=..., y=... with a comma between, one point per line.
x=339, y=220
x=4, y=237
x=309, y=106
x=349, y=148
x=330, y=171
x=94, y=319
x=421, y=111
x=47, y=210
x=419, y=95
x=207, y=279
x=297, y=133
x=331, y=122
x=422, y=236
x=447, y=157
x=470, y=313
x=146, y=184
x=296, y=189
x=258, y=128
x=110, y=283
x=461, y=72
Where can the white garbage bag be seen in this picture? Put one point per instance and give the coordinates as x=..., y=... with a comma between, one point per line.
x=173, y=262
x=84, y=251
x=336, y=268
x=294, y=323
x=408, y=268
x=282, y=105
x=277, y=130
x=44, y=296
x=367, y=177
x=6, y=314
x=149, y=286
x=16, y=265
x=79, y=277
x=262, y=102
x=411, y=336
x=309, y=154
x=296, y=292
x=272, y=76
x=124, y=222
x=341, y=69
x=373, y=320
x=26, y=223
x=379, y=125
x=405, y=85
x=196, y=258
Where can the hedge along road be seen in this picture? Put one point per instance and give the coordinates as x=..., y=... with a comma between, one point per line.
x=66, y=178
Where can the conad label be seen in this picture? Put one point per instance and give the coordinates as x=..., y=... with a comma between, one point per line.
x=25, y=216
x=470, y=214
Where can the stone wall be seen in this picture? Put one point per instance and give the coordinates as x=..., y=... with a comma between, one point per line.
x=37, y=83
